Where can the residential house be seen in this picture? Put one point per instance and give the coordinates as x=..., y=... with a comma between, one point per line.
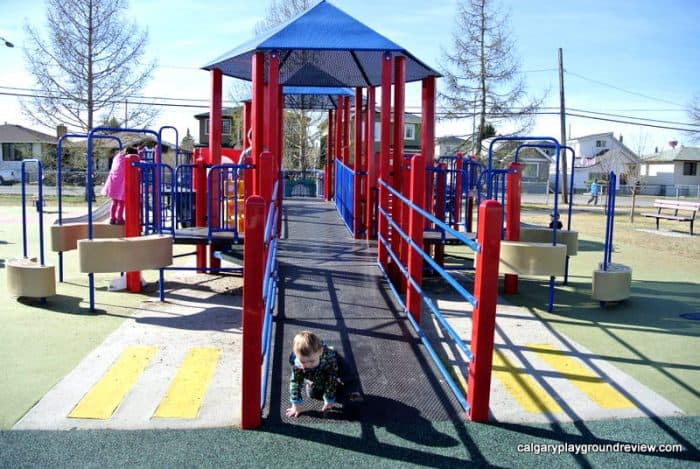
x=672, y=172
x=411, y=132
x=536, y=161
x=450, y=145
x=19, y=143
x=596, y=156
x=231, y=132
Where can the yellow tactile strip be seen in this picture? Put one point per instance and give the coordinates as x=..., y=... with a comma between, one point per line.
x=104, y=397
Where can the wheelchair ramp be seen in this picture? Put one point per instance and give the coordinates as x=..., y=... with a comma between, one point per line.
x=330, y=284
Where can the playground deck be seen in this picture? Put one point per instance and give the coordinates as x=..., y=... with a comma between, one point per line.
x=330, y=284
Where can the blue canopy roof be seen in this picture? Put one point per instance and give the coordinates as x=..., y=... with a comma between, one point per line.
x=323, y=46
x=313, y=97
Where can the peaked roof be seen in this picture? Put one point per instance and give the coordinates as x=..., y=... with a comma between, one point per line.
x=322, y=46
x=675, y=154
x=313, y=97
x=12, y=133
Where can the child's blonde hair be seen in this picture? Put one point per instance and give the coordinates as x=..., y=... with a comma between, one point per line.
x=306, y=343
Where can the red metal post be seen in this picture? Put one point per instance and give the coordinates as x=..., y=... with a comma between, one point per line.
x=427, y=137
x=357, y=165
x=440, y=209
x=346, y=131
x=132, y=209
x=253, y=266
x=372, y=170
x=215, y=123
x=484, y=315
x=257, y=114
x=513, y=195
x=199, y=183
x=247, y=109
x=384, y=155
x=457, y=209
x=266, y=164
x=399, y=209
x=415, y=231
x=330, y=148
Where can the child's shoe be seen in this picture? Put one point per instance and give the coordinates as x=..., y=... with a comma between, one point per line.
x=112, y=221
x=120, y=222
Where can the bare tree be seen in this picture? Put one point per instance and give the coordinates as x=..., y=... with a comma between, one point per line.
x=90, y=61
x=482, y=74
x=694, y=113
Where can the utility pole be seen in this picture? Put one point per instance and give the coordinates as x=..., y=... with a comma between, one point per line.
x=126, y=113
x=562, y=139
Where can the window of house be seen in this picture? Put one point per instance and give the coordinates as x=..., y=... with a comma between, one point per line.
x=409, y=131
x=225, y=126
x=690, y=169
x=16, y=151
x=530, y=170
x=600, y=144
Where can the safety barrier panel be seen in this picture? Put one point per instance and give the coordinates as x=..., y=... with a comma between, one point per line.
x=345, y=193
x=483, y=300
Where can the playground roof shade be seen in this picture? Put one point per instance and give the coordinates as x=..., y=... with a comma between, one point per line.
x=322, y=46
x=313, y=97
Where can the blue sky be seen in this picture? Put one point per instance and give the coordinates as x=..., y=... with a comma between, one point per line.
x=628, y=57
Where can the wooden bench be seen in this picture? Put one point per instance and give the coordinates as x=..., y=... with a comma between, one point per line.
x=665, y=207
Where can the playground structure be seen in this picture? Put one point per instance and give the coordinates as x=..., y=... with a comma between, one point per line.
x=405, y=202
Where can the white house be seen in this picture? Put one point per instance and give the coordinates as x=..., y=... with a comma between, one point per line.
x=19, y=143
x=672, y=171
x=596, y=156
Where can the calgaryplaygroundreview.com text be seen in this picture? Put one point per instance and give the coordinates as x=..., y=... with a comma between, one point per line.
x=578, y=448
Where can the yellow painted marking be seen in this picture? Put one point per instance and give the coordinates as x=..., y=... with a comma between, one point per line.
x=186, y=392
x=582, y=377
x=104, y=397
x=523, y=387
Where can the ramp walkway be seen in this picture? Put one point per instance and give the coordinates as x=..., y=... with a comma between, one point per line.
x=330, y=284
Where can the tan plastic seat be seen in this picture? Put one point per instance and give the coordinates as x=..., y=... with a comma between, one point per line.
x=521, y=258
x=538, y=234
x=125, y=254
x=28, y=278
x=613, y=284
x=65, y=237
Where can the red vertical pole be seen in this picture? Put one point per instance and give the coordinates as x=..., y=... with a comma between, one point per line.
x=371, y=158
x=339, y=129
x=257, y=114
x=254, y=267
x=199, y=182
x=215, y=123
x=384, y=152
x=357, y=164
x=346, y=131
x=415, y=231
x=513, y=195
x=272, y=121
x=484, y=314
x=398, y=209
x=266, y=164
x=330, y=149
x=247, y=109
x=440, y=209
x=457, y=209
x=132, y=209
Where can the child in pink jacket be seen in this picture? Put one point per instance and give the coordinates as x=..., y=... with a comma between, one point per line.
x=114, y=185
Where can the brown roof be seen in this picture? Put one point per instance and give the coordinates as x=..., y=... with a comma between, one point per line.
x=11, y=133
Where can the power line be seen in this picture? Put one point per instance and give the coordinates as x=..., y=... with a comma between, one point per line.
x=621, y=89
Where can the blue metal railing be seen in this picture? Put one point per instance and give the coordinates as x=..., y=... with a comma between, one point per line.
x=345, y=193
x=224, y=216
x=432, y=306
x=269, y=288
x=39, y=207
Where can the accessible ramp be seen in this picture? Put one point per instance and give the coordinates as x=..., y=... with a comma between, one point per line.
x=330, y=284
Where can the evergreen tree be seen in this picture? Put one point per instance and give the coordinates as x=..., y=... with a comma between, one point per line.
x=90, y=61
x=482, y=74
